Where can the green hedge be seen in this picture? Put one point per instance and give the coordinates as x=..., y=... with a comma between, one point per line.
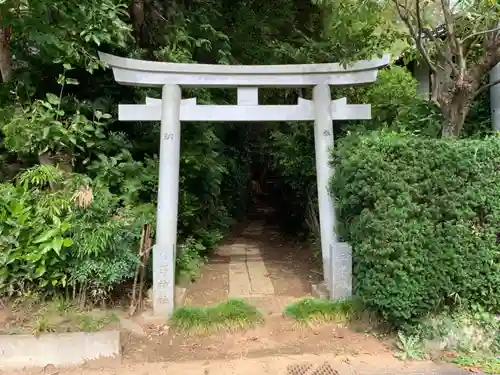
x=423, y=217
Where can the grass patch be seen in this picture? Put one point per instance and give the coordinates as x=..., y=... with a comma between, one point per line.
x=489, y=364
x=313, y=310
x=232, y=314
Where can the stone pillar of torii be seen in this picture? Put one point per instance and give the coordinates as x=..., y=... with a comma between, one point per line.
x=171, y=110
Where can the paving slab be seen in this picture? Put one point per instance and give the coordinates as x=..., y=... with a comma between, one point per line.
x=259, y=275
x=248, y=274
x=270, y=305
x=239, y=281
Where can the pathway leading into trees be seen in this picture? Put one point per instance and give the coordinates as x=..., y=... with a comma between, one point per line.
x=269, y=270
x=259, y=265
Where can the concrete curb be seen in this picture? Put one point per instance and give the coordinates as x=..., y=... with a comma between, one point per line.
x=64, y=349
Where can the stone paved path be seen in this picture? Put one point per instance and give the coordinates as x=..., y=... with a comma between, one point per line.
x=257, y=267
x=268, y=270
x=248, y=275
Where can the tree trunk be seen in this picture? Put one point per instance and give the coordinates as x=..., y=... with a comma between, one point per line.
x=137, y=16
x=5, y=53
x=65, y=162
x=454, y=95
x=455, y=112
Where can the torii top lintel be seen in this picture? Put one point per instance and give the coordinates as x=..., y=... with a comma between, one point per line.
x=135, y=72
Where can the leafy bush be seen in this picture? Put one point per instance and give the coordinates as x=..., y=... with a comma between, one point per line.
x=63, y=230
x=423, y=219
x=395, y=105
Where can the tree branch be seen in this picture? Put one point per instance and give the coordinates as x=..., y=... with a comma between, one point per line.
x=480, y=33
x=415, y=34
x=490, y=58
x=441, y=51
x=482, y=89
x=452, y=40
x=468, y=46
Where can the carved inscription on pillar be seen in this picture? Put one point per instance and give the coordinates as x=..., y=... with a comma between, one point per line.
x=341, y=271
x=163, y=278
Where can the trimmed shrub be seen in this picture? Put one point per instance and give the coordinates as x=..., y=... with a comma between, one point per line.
x=423, y=217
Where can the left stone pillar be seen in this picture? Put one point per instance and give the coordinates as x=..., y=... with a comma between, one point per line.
x=164, y=251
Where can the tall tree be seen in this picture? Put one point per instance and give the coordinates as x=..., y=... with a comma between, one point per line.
x=358, y=29
x=59, y=31
x=459, y=41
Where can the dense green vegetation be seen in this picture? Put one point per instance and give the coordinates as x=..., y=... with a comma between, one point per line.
x=422, y=216
x=77, y=186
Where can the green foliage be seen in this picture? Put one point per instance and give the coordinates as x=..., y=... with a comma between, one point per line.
x=410, y=347
x=66, y=31
x=293, y=159
x=44, y=127
x=189, y=259
x=488, y=364
x=469, y=338
x=357, y=29
x=76, y=234
x=34, y=236
x=478, y=122
x=422, y=217
x=396, y=104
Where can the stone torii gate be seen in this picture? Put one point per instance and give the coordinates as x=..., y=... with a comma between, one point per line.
x=171, y=109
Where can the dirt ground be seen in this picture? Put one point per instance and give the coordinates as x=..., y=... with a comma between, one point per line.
x=35, y=316
x=304, y=364
x=276, y=337
x=278, y=346
x=292, y=268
